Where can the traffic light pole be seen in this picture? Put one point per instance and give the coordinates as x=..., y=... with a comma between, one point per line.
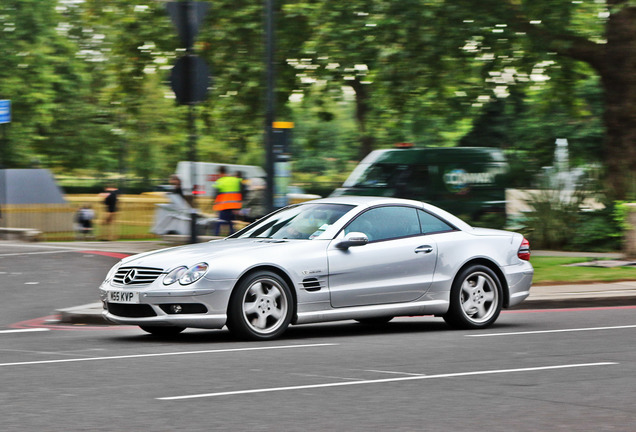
x=190, y=80
x=192, y=133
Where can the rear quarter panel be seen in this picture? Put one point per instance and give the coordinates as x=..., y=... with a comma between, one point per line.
x=457, y=249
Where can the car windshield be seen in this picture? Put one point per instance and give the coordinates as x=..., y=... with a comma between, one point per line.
x=304, y=221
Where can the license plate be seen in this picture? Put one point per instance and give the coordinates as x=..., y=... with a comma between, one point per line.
x=123, y=296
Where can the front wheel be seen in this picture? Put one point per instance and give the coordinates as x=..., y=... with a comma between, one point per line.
x=260, y=307
x=476, y=298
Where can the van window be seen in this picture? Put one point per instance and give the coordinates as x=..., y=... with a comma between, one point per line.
x=407, y=180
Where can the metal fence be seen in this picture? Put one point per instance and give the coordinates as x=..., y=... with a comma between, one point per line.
x=134, y=219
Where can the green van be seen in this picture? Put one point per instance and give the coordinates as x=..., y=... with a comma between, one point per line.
x=466, y=181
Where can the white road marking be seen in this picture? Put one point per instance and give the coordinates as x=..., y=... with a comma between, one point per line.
x=552, y=331
x=24, y=330
x=381, y=381
x=132, y=356
x=394, y=372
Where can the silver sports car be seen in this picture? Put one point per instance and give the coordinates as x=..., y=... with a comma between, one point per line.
x=363, y=258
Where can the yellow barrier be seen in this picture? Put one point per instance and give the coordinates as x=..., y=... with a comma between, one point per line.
x=134, y=219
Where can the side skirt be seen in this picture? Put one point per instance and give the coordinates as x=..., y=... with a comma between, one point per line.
x=427, y=307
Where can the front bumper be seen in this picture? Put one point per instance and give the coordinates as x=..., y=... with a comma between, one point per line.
x=198, y=308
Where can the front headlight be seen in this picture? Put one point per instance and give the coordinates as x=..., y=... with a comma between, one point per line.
x=174, y=275
x=193, y=274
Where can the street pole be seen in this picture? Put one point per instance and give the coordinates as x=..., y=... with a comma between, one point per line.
x=269, y=103
x=190, y=79
x=192, y=138
x=188, y=18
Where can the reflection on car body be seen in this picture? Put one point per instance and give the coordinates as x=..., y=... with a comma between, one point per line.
x=363, y=258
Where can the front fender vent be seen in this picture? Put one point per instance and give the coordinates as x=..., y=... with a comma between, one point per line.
x=313, y=284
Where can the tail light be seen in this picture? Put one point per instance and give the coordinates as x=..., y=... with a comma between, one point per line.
x=524, y=250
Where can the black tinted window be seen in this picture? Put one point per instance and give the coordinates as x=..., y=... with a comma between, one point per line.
x=385, y=223
x=432, y=224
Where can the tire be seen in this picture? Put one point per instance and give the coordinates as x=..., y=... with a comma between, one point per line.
x=163, y=331
x=376, y=321
x=476, y=298
x=261, y=307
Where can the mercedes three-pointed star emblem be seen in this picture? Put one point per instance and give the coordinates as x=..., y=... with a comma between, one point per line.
x=130, y=276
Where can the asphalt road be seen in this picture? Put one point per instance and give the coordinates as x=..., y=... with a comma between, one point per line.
x=547, y=370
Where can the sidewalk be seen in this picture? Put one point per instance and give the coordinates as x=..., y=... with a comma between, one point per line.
x=541, y=297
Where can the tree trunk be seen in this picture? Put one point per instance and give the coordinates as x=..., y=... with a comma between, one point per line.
x=618, y=75
x=615, y=62
x=362, y=109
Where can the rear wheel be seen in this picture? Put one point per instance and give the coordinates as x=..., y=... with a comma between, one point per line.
x=260, y=307
x=164, y=331
x=476, y=298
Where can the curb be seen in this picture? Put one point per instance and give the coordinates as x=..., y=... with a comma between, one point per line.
x=573, y=303
x=85, y=314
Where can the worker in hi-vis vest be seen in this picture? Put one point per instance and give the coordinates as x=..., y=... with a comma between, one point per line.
x=228, y=199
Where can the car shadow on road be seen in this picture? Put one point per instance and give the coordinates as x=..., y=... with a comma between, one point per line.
x=320, y=331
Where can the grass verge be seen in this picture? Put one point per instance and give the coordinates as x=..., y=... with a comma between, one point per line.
x=554, y=270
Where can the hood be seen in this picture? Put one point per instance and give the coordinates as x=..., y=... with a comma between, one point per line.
x=195, y=253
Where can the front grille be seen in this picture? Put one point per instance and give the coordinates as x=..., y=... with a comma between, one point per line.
x=130, y=310
x=136, y=276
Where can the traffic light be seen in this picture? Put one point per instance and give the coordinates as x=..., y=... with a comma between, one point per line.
x=190, y=76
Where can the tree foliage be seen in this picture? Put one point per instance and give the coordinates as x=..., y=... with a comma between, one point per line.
x=88, y=80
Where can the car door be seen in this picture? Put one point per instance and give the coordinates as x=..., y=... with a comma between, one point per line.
x=397, y=264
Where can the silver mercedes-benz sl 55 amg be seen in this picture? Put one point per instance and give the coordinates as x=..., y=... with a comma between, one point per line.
x=363, y=258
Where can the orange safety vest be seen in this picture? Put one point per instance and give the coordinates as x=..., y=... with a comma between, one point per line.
x=228, y=196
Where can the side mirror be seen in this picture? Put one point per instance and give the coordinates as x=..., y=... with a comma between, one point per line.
x=353, y=239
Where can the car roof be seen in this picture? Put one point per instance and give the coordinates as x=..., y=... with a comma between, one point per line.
x=366, y=200
x=371, y=201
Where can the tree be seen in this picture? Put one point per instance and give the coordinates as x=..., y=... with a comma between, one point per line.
x=41, y=75
x=553, y=36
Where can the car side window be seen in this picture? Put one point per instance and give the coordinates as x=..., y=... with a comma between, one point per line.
x=432, y=224
x=385, y=223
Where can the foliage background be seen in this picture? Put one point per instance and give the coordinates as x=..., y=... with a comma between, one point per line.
x=88, y=81
x=88, y=84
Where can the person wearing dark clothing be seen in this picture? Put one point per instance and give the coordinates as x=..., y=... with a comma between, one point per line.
x=84, y=220
x=110, y=202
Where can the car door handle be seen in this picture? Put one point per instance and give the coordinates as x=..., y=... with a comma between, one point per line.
x=424, y=249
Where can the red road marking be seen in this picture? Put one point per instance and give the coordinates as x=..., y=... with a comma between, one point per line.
x=579, y=309
x=47, y=322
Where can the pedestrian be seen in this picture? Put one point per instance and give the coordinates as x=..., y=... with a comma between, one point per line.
x=175, y=181
x=84, y=218
x=110, y=203
x=254, y=206
x=244, y=185
x=227, y=200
